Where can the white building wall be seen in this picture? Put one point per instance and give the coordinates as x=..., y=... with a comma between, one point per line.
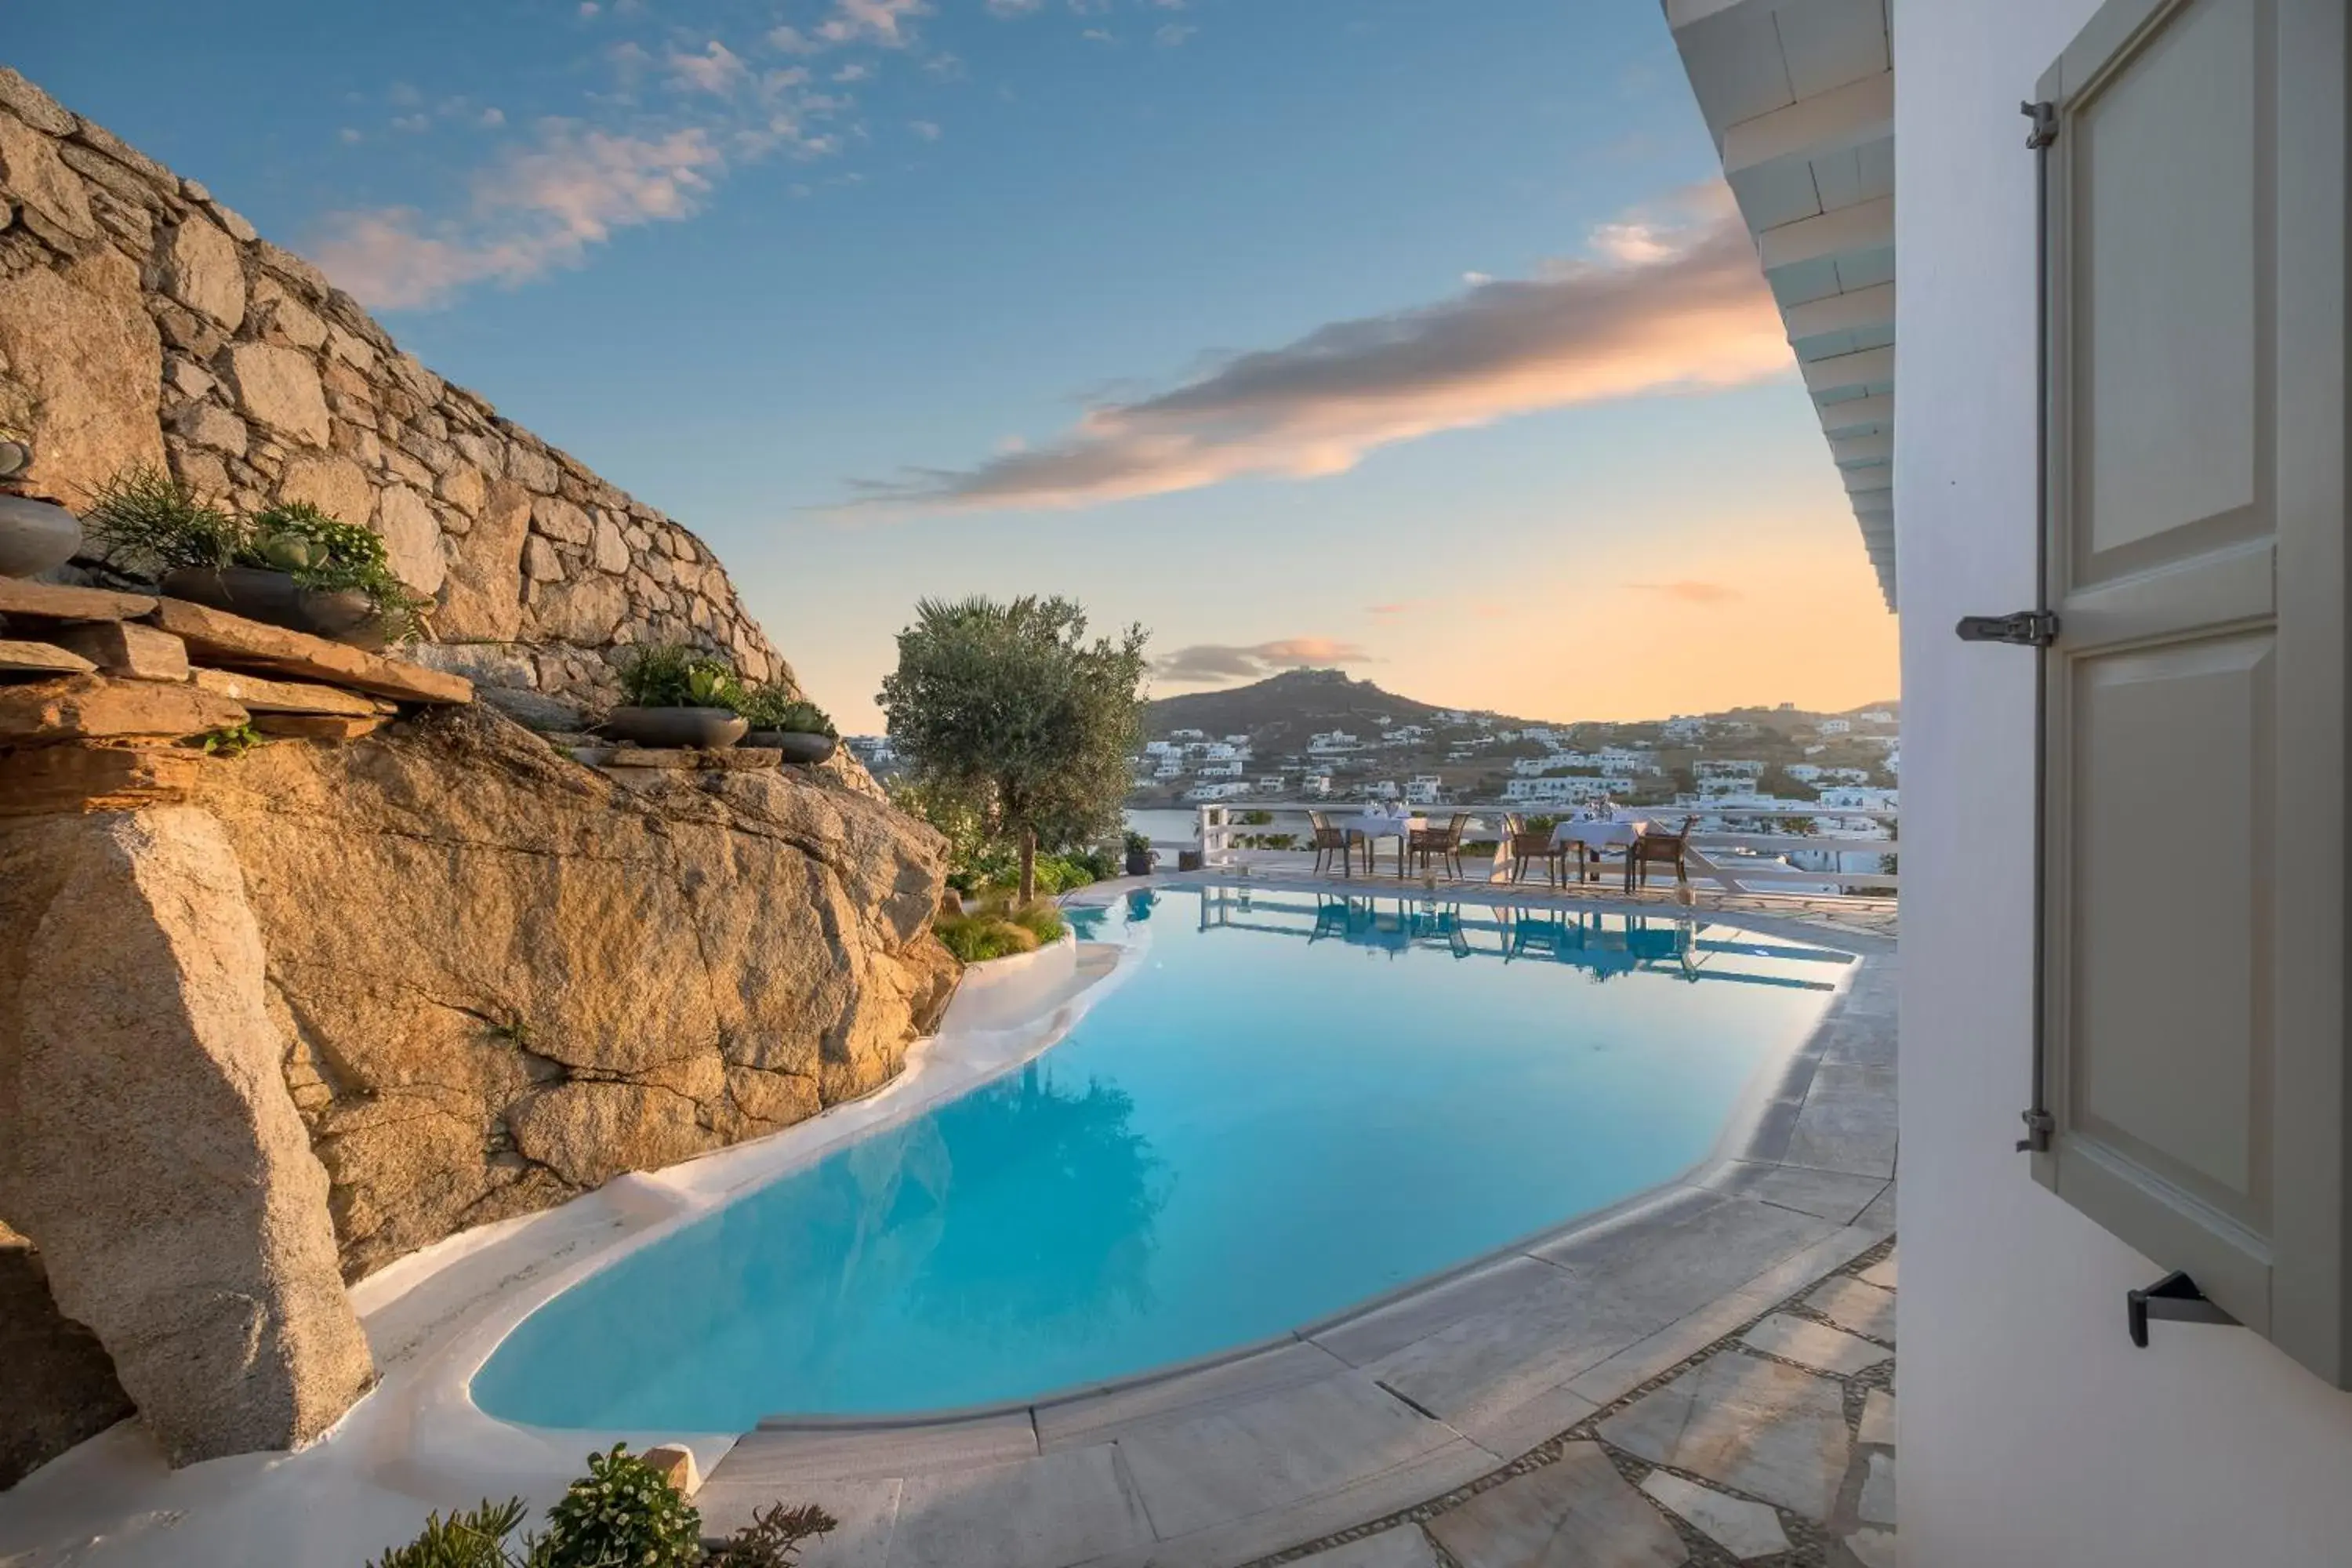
x=2033, y=1433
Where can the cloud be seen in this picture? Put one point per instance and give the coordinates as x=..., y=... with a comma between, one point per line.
x=546, y=199
x=490, y=119
x=1171, y=36
x=717, y=70
x=925, y=128
x=1398, y=608
x=879, y=22
x=536, y=208
x=1098, y=36
x=1689, y=591
x=1225, y=661
x=1008, y=8
x=1667, y=300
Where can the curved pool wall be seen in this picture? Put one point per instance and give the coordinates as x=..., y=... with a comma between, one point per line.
x=1294, y=1104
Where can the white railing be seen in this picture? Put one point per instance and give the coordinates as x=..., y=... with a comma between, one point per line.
x=1732, y=848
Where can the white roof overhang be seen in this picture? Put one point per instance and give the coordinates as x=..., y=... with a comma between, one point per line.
x=1800, y=96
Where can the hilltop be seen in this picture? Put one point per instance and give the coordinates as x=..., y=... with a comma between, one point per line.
x=1284, y=709
x=1282, y=712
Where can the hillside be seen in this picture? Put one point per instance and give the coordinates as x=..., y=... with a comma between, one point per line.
x=1283, y=711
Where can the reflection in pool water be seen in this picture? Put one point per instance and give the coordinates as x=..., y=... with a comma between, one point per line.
x=1295, y=1104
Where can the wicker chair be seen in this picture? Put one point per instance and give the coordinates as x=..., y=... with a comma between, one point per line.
x=1331, y=840
x=1535, y=844
x=1659, y=848
x=1427, y=843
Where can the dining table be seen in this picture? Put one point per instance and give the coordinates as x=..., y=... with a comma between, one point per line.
x=1374, y=825
x=1618, y=830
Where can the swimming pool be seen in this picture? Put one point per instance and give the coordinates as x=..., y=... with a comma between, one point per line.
x=1294, y=1103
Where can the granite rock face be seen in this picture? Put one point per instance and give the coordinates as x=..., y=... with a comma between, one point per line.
x=503, y=978
x=153, y=1152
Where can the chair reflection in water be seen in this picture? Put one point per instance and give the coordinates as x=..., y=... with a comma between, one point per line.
x=1359, y=922
x=1606, y=945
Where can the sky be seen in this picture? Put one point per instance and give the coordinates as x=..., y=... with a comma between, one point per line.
x=1415, y=337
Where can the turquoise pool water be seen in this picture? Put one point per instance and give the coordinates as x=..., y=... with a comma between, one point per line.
x=1293, y=1105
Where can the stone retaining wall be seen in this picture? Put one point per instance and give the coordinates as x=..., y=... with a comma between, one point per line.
x=141, y=320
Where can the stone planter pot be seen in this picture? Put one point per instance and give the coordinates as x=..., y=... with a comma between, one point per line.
x=1190, y=861
x=276, y=599
x=712, y=729
x=1138, y=862
x=798, y=746
x=35, y=535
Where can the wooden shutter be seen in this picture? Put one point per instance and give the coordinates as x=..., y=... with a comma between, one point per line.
x=2194, y=861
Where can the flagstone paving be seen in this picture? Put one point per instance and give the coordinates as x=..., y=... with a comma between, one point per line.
x=1728, y=1458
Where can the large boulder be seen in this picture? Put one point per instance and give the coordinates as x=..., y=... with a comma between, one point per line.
x=504, y=978
x=151, y=1149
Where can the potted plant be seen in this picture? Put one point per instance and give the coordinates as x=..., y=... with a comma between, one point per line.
x=1138, y=854
x=783, y=722
x=290, y=564
x=678, y=696
x=36, y=531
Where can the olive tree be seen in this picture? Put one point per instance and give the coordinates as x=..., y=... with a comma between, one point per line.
x=1007, y=706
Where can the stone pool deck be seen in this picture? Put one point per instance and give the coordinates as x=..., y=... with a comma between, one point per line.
x=1702, y=1376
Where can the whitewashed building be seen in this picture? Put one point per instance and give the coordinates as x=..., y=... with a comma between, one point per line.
x=2111, y=1071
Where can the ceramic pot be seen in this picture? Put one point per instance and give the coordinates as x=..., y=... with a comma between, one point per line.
x=276, y=599
x=712, y=729
x=798, y=746
x=1138, y=862
x=35, y=535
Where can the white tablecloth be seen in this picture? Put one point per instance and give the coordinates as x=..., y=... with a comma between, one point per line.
x=1597, y=834
x=1375, y=824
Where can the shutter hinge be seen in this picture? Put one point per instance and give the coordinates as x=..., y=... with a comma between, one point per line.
x=2039, y=1125
x=2045, y=124
x=2026, y=628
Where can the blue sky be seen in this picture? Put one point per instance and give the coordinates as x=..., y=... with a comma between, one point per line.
x=1411, y=335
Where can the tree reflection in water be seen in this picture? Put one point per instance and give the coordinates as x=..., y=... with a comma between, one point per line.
x=1082, y=1248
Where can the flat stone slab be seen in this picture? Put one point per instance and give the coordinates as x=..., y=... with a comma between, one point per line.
x=865, y=1511
x=1877, y=1504
x=1045, y=1512
x=1882, y=1273
x=1877, y=1418
x=1826, y=1194
x=1872, y=1548
x=1403, y=1547
x=215, y=637
x=1764, y=1428
x=1851, y=1304
x=58, y=602
x=1274, y=1452
x=263, y=695
x=1812, y=1344
x=100, y=706
x=1576, y=1513
x=1742, y=1528
x=19, y=657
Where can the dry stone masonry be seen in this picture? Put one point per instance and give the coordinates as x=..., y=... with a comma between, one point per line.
x=141, y=320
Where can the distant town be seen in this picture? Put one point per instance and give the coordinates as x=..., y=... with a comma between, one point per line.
x=1316, y=735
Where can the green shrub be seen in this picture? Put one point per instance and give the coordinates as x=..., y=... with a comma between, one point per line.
x=774, y=1536
x=1042, y=920
x=148, y=522
x=775, y=708
x=983, y=934
x=475, y=1540
x=1135, y=843
x=623, y=1512
x=333, y=557
x=672, y=675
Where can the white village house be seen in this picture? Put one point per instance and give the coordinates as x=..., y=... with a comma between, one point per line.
x=2166, y=260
